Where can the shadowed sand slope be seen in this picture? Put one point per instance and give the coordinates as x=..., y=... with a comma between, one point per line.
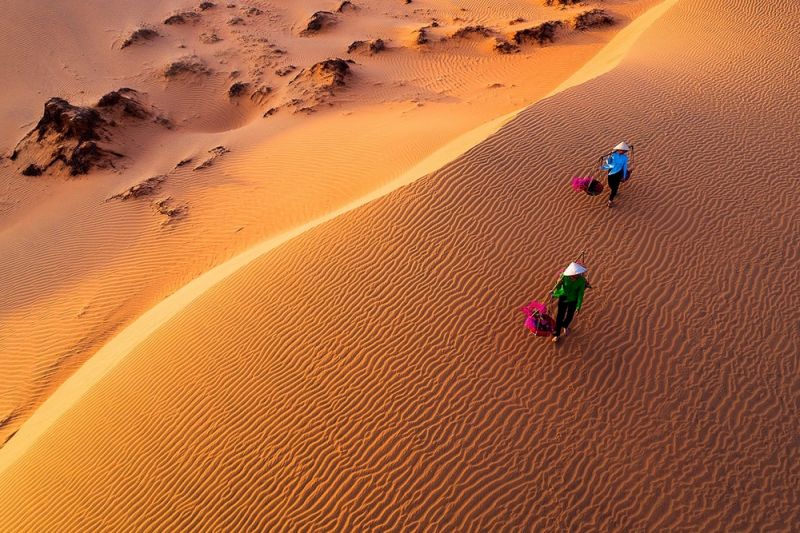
x=373, y=373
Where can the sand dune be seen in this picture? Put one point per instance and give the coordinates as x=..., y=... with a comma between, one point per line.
x=83, y=267
x=117, y=349
x=372, y=372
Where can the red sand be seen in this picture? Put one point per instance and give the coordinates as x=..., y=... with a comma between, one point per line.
x=373, y=372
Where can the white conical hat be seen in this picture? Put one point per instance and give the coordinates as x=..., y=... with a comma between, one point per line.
x=574, y=269
x=622, y=146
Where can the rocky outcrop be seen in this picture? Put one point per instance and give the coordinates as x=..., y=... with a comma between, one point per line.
x=346, y=6
x=139, y=36
x=238, y=89
x=68, y=138
x=127, y=101
x=541, y=34
x=285, y=70
x=502, y=46
x=422, y=35
x=69, y=122
x=314, y=85
x=367, y=47
x=318, y=22
x=592, y=19
x=147, y=187
x=324, y=76
x=469, y=31
x=186, y=65
x=184, y=17
x=216, y=153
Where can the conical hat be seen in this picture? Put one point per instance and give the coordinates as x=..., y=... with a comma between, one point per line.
x=622, y=146
x=574, y=269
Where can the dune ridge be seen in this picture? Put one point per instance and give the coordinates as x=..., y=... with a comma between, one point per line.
x=114, y=351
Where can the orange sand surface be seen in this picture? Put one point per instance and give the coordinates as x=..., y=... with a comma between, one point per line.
x=83, y=267
x=327, y=335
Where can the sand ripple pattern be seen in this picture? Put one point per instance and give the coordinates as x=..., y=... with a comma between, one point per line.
x=373, y=374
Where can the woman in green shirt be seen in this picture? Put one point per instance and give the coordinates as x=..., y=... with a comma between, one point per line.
x=569, y=291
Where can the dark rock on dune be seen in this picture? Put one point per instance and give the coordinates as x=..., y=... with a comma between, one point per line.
x=69, y=134
x=253, y=12
x=325, y=75
x=319, y=21
x=163, y=121
x=271, y=111
x=285, y=71
x=235, y=21
x=183, y=17
x=422, y=36
x=238, y=89
x=32, y=170
x=356, y=46
x=207, y=5
x=543, y=33
x=504, y=47
x=347, y=5
x=371, y=47
x=314, y=85
x=126, y=100
x=216, y=152
x=469, y=31
x=592, y=19
x=146, y=188
x=139, y=35
x=562, y=3
x=186, y=65
x=518, y=20
x=87, y=156
x=69, y=122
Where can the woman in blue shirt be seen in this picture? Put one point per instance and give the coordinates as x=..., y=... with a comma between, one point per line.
x=617, y=166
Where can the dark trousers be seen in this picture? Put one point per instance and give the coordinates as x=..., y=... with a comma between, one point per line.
x=613, y=183
x=566, y=310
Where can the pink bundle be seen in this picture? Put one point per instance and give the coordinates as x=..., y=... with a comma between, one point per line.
x=589, y=185
x=581, y=184
x=534, y=307
x=537, y=320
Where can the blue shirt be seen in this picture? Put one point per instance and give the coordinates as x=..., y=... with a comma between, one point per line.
x=616, y=163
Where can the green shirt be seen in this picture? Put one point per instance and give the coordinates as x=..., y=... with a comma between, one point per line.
x=571, y=288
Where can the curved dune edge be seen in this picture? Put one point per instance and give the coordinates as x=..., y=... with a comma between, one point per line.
x=105, y=359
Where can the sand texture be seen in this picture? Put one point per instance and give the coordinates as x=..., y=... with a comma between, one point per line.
x=362, y=365
x=161, y=203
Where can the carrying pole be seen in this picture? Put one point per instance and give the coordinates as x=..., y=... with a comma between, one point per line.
x=632, y=159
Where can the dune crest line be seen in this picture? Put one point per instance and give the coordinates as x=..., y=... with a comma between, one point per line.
x=113, y=352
